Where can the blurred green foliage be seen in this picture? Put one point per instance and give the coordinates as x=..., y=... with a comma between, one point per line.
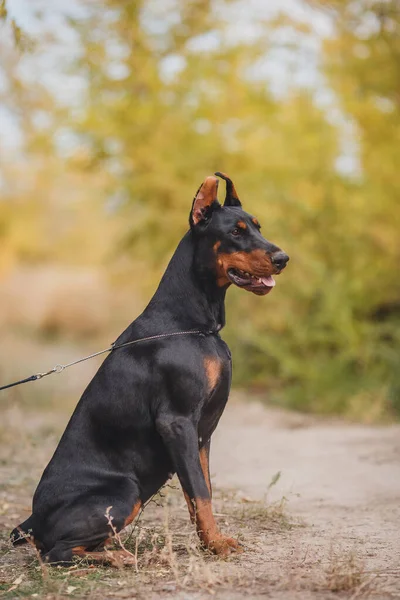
x=169, y=97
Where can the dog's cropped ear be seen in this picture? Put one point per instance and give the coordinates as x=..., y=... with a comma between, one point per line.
x=231, y=198
x=204, y=202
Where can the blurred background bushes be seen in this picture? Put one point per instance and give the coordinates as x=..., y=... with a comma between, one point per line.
x=112, y=120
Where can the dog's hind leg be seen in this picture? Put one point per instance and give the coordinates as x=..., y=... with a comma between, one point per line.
x=62, y=553
x=59, y=555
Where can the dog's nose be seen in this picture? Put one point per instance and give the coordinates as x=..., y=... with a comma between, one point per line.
x=279, y=259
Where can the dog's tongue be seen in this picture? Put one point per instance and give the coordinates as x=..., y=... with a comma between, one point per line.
x=268, y=281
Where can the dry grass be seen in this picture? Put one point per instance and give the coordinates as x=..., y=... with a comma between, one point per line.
x=280, y=560
x=345, y=572
x=265, y=515
x=168, y=557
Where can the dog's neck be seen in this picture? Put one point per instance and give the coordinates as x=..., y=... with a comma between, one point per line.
x=188, y=296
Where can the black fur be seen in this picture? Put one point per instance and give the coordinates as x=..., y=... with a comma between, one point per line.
x=149, y=409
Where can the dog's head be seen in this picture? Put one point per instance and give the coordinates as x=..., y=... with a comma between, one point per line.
x=232, y=241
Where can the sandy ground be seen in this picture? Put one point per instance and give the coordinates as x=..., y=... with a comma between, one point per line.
x=341, y=480
x=328, y=527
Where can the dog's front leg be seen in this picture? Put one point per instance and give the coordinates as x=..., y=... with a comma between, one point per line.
x=180, y=437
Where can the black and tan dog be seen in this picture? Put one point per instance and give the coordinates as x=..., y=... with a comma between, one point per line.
x=151, y=408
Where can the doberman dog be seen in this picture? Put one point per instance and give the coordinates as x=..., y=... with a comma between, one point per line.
x=152, y=407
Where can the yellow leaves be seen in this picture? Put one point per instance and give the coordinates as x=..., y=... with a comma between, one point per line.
x=118, y=198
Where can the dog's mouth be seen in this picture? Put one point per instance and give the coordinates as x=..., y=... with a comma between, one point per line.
x=258, y=285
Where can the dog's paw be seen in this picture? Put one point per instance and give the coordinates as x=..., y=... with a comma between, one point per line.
x=223, y=546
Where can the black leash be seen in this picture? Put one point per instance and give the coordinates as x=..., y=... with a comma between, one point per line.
x=60, y=368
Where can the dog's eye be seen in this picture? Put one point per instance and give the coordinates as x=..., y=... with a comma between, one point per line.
x=236, y=231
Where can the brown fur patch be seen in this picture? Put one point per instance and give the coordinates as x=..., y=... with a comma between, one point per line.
x=208, y=531
x=190, y=505
x=79, y=550
x=134, y=513
x=205, y=522
x=203, y=455
x=256, y=262
x=256, y=223
x=241, y=224
x=213, y=371
x=219, y=262
x=216, y=246
x=204, y=198
x=117, y=558
x=204, y=461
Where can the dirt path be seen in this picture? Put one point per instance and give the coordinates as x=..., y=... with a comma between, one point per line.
x=342, y=480
x=336, y=535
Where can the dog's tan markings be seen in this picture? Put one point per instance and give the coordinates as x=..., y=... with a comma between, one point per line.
x=205, y=521
x=241, y=224
x=190, y=505
x=256, y=223
x=116, y=558
x=205, y=467
x=79, y=550
x=212, y=367
x=216, y=246
x=203, y=455
x=206, y=195
x=222, y=278
x=256, y=262
x=134, y=513
x=208, y=531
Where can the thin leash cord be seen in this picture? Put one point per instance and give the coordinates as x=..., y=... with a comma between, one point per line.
x=60, y=368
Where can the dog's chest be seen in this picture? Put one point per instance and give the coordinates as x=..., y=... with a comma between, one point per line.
x=218, y=372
